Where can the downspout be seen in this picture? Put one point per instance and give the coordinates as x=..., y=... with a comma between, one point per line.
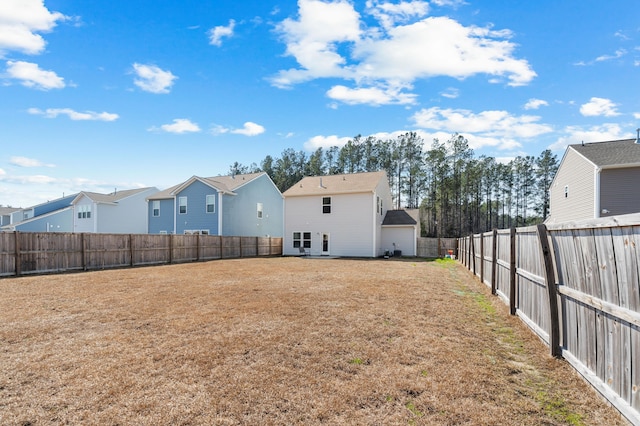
x=175, y=214
x=220, y=194
x=596, y=193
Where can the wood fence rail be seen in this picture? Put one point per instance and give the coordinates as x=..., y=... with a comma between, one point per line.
x=23, y=253
x=577, y=286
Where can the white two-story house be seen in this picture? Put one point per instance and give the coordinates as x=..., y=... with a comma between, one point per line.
x=342, y=215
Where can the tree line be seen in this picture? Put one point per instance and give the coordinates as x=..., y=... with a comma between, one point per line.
x=457, y=192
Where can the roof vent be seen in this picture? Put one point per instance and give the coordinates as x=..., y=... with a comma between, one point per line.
x=637, y=135
x=321, y=183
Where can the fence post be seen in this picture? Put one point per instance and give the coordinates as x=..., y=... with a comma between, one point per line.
x=512, y=273
x=473, y=252
x=83, y=248
x=171, y=248
x=552, y=291
x=470, y=243
x=18, y=260
x=482, y=258
x=198, y=248
x=494, y=261
x=131, y=251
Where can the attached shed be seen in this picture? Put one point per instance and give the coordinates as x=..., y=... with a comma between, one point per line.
x=400, y=233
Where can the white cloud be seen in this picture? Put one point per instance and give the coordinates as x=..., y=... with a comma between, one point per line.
x=388, y=14
x=487, y=128
x=20, y=21
x=325, y=142
x=151, y=78
x=371, y=96
x=535, y=104
x=75, y=115
x=599, y=107
x=330, y=40
x=216, y=34
x=249, y=129
x=576, y=134
x=450, y=93
x=491, y=123
x=32, y=76
x=179, y=126
x=618, y=54
x=28, y=162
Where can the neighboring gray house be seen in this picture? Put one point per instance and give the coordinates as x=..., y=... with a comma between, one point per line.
x=248, y=205
x=596, y=180
x=7, y=214
x=121, y=212
x=344, y=215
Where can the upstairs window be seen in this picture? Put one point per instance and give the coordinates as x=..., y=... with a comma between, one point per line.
x=259, y=210
x=566, y=191
x=182, y=205
x=211, y=203
x=326, y=205
x=84, y=212
x=155, y=206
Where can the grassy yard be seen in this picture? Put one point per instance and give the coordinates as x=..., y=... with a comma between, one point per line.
x=278, y=341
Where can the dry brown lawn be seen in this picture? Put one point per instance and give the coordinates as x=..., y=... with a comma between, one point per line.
x=278, y=341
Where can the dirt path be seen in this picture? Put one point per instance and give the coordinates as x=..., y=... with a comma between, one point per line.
x=278, y=341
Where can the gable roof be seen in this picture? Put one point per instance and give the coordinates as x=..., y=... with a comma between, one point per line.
x=114, y=197
x=224, y=184
x=336, y=184
x=620, y=153
x=398, y=217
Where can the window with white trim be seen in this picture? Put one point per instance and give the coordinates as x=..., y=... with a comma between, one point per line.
x=211, y=203
x=302, y=239
x=259, y=210
x=326, y=205
x=155, y=206
x=84, y=211
x=182, y=205
x=566, y=191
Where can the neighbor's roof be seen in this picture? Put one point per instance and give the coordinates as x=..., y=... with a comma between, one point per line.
x=336, y=184
x=226, y=184
x=8, y=210
x=624, y=152
x=398, y=217
x=110, y=198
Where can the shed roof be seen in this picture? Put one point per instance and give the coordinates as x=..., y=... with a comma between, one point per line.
x=398, y=217
x=625, y=152
x=336, y=184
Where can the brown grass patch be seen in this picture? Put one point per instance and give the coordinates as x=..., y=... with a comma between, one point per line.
x=278, y=341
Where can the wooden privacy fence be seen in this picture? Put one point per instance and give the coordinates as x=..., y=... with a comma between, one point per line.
x=577, y=286
x=24, y=253
x=436, y=247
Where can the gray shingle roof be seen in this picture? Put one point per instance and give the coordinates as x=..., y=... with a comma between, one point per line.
x=398, y=217
x=611, y=153
x=225, y=184
x=336, y=184
x=113, y=197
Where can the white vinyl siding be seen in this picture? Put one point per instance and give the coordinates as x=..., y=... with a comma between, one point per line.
x=577, y=175
x=350, y=224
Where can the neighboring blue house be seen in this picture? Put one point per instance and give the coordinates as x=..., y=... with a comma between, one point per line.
x=52, y=216
x=241, y=205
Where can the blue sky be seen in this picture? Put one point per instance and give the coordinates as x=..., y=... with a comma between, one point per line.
x=97, y=95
